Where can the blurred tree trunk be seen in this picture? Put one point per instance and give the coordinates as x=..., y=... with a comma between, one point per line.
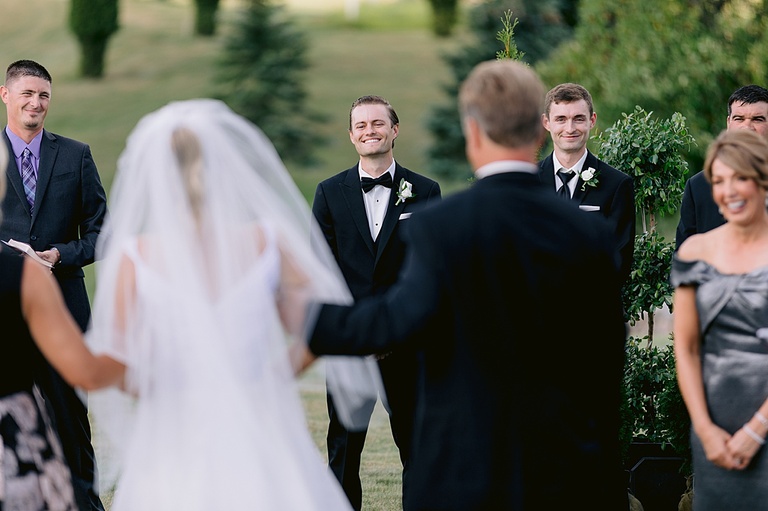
x=205, y=17
x=93, y=22
x=444, y=14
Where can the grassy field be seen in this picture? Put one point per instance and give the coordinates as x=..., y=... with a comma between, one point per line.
x=154, y=59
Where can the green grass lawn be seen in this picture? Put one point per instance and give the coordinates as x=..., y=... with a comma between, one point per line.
x=154, y=59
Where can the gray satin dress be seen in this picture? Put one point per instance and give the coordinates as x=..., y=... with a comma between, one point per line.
x=732, y=308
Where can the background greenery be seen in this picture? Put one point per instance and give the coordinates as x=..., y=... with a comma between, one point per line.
x=390, y=50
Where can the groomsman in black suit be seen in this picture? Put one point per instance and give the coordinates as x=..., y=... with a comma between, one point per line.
x=363, y=212
x=515, y=411
x=594, y=185
x=747, y=110
x=55, y=202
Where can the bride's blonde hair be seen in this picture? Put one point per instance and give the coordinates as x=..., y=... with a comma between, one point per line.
x=186, y=147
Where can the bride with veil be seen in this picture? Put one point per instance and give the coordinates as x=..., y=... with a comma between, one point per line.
x=209, y=264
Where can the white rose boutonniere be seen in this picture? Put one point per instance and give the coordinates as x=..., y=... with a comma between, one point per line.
x=404, y=192
x=589, y=178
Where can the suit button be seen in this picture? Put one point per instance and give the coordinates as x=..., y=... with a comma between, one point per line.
x=33, y=238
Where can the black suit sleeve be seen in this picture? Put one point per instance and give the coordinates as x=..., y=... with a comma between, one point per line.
x=434, y=192
x=381, y=323
x=93, y=208
x=623, y=217
x=686, y=227
x=322, y=214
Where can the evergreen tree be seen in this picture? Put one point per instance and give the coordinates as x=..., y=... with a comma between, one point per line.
x=541, y=25
x=205, y=16
x=260, y=77
x=93, y=22
x=444, y=14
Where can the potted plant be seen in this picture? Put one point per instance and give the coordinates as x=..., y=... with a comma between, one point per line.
x=655, y=424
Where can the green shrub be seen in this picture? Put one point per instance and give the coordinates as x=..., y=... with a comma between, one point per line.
x=93, y=22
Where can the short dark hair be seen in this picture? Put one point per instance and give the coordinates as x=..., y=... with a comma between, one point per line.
x=568, y=93
x=748, y=95
x=374, y=100
x=26, y=68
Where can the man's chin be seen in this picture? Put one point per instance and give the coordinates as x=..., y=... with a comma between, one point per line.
x=36, y=125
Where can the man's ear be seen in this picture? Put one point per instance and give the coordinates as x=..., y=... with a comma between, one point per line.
x=545, y=121
x=472, y=132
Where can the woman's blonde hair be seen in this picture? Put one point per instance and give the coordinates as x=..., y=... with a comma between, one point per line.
x=744, y=151
x=186, y=147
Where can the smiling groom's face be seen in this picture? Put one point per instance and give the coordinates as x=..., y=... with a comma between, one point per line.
x=372, y=130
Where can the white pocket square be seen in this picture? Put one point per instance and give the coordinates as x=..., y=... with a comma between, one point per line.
x=587, y=207
x=404, y=216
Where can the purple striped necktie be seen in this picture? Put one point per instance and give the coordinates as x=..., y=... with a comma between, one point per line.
x=28, y=177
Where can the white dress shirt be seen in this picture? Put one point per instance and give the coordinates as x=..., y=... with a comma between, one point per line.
x=376, y=201
x=576, y=168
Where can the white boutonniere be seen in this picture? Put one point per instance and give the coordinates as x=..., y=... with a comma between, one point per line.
x=589, y=178
x=404, y=192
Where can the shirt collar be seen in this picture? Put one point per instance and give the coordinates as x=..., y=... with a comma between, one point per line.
x=577, y=166
x=19, y=145
x=363, y=173
x=501, y=166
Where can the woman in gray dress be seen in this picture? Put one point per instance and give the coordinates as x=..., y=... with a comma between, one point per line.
x=720, y=325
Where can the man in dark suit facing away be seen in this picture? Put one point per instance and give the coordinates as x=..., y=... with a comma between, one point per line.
x=363, y=212
x=515, y=411
x=56, y=203
x=594, y=185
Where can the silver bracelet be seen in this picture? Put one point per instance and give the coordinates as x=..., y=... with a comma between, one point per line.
x=749, y=431
x=760, y=417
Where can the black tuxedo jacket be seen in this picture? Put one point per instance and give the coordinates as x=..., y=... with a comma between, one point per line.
x=698, y=211
x=338, y=207
x=614, y=196
x=70, y=205
x=515, y=410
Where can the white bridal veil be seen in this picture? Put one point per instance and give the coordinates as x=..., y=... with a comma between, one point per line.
x=208, y=244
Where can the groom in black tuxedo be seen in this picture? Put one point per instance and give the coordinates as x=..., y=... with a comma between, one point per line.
x=594, y=185
x=515, y=409
x=363, y=212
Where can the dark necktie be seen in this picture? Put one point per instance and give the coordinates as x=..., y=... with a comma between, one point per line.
x=565, y=176
x=28, y=177
x=368, y=183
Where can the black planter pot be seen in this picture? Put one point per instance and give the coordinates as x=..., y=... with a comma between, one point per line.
x=654, y=476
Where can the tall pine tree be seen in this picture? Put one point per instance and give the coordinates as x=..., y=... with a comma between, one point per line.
x=542, y=25
x=93, y=22
x=260, y=76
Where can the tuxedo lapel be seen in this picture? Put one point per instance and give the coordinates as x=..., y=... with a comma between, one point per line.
x=14, y=177
x=48, y=151
x=579, y=195
x=353, y=195
x=547, y=172
x=393, y=212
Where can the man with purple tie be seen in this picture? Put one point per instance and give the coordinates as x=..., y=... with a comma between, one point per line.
x=55, y=202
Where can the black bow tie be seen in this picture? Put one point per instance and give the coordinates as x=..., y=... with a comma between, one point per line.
x=368, y=183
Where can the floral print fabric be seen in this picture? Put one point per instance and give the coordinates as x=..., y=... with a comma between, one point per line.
x=33, y=473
